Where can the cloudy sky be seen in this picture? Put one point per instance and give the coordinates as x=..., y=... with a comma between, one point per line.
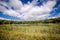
x=29, y=9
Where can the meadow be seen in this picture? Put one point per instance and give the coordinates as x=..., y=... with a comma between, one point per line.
x=30, y=32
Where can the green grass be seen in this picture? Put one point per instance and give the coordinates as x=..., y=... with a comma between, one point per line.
x=30, y=32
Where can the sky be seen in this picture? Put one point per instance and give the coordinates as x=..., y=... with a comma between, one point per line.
x=27, y=10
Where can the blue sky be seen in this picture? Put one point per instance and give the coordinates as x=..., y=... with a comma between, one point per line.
x=29, y=9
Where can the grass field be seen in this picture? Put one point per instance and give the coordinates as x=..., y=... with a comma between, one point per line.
x=30, y=32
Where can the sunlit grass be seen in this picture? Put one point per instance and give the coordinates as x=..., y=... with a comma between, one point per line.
x=31, y=32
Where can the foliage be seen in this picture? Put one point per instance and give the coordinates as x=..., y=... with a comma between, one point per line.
x=56, y=20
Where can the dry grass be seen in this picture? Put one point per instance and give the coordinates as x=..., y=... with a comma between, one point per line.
x=17, y=32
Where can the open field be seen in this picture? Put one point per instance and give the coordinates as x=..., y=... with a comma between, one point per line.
x=30, y=32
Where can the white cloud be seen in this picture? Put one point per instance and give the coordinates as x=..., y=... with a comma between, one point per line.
x=28, y=11
x=58, y=15
x=1, y=18
x=16, y=4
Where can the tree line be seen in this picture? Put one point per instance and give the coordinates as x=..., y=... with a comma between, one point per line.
x=56, y=20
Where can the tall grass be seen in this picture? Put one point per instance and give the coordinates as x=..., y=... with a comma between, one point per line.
x=30, y=32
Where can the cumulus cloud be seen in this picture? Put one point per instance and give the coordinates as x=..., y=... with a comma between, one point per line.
x=27, y=11
x=58, y=15
x=1, y=18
